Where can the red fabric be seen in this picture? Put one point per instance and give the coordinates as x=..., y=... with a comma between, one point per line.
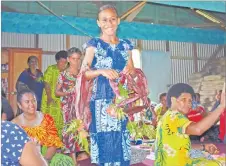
x=138, y=85
x=196, y=115
x=84, y=89
x=222, y=125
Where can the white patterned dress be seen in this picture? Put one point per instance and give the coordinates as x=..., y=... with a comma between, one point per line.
x=13, y=140
x=110, y=145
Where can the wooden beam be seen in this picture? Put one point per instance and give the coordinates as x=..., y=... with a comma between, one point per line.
x=212, y=18
x=68, y=42
x=36, y=40
x=191, y=11
x=49, y=52
x=187, y=58
x=224, y=50
x=167, y=46
x=130, y=17
x=200, y=25
x=139, y=44
x=195, y=56
x=131, y=10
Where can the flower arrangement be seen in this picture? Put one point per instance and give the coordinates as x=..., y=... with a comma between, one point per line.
x=140, y=130
x=122, y=93
x=80, y=134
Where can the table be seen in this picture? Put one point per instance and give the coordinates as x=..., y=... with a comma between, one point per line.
x=221, y=146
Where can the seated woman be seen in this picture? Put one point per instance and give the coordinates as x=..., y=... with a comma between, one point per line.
x=18, y=150
x=161, y=108
x=149, y=114
x=40, y=128
x=172, y=146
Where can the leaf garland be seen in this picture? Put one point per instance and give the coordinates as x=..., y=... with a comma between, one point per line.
x=80, y=134
x=140, y=130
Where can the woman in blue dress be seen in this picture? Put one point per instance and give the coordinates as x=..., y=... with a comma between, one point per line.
x=32, y=78
x=106, y=57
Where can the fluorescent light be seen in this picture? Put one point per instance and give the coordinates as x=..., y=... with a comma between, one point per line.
x=208, y=16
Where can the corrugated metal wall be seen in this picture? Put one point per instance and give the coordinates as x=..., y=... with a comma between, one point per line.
x=52, y=42
x=181, y=67
x=78, y=41
x=153, y=45
x=47, y=60
x=181, y=52
x=17, y=40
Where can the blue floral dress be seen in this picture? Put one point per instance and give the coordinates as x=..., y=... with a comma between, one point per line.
x=110, y=145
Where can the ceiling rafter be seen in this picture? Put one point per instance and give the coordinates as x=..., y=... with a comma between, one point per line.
x=132, y=12
x=209, y=18
x=131, y=17
x=204, y=25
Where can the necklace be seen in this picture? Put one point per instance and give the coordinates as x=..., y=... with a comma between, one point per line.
x=70, y=77
x=32, y=123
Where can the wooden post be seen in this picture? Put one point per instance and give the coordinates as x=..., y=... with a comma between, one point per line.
x=36, y=40
x=139, y=45
x=225, y=51
x=68, y=44
x=195, y=56
x=167, y=46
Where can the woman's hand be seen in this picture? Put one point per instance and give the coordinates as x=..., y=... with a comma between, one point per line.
x=211, y=148
x=83, y=134
x=109, y=73
x=111, y=112
x=50, y=100
x=128, y=70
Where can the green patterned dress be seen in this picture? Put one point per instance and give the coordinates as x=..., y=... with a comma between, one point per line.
x=51, y=77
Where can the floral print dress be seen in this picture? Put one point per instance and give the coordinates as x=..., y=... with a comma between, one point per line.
x=173, y=146
x=67, y=82
x=110, y=144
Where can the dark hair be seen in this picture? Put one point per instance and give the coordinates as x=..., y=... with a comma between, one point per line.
x=31, y=57
x=61, y=54
x=176, y=90
x=220, y=91
x=161, y=95
x=104, y=7
x=21, y=93
x=74, y=50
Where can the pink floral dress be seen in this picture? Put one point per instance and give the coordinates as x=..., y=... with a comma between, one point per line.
x=67, y=82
